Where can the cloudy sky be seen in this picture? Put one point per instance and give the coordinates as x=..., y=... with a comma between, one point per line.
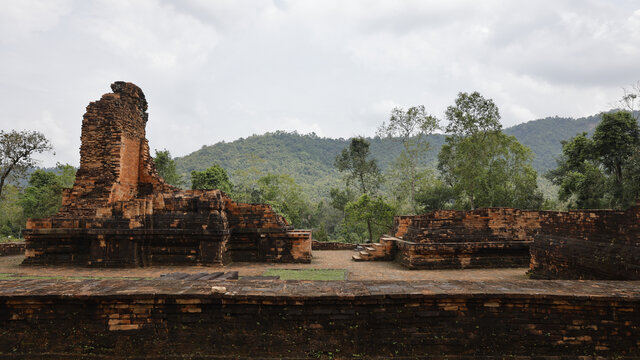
x=218, y=70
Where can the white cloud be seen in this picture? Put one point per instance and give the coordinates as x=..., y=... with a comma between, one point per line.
x=219, y=70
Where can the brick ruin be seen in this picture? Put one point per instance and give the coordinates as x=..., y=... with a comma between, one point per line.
x=450, y=239
x=592, y=244
x=589, y=244
x=120, y=212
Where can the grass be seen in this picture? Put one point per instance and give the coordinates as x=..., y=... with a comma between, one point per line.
x=307, y=274
x=6, y=239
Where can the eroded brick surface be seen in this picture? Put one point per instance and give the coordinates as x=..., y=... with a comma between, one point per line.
x=330, y=319
x=121, y=213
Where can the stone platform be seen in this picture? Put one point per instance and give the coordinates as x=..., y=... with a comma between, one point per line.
x=323, y=319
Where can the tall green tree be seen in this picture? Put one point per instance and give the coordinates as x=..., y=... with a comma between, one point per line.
x=372, y=211
x=578, y=175
x=602, y=171
x=286, y=198
x=360, y=170
x=472, y=114
x=214, y=177
x=43, y=196
x=483, y=166
x=11, y=216
x=411, y=127
x=166, y=167
x=16, y=153
x=615, y=139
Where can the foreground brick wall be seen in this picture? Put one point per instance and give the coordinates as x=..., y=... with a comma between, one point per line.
x=121, y=213
x=528, y=319
x=601, y=244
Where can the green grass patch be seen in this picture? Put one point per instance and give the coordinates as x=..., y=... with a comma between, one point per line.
x=6, y=239
x=307, y=274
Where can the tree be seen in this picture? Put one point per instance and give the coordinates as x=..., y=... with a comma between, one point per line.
x=472, y=114
x=166, y=168
x=602, y=171
x=11, y=215
x=435, y=195
x=359, y=169
x=483, y=166
x=16, y=151
x=410, y=127
x=374, y=211
x=614, y=141
x=43, y=196
x=493, y=171
x=214, y=177
x=286, y=198
x=578, y=174
x=631, y=99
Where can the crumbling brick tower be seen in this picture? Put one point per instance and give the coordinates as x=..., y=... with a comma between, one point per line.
x=121, y=213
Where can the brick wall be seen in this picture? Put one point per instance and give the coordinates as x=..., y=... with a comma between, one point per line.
x=11, y=248
x=600, y=244
x=450, y=239
x=524, y=319
x=120, y=212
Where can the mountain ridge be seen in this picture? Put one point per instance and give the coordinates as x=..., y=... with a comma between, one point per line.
x=309, y=158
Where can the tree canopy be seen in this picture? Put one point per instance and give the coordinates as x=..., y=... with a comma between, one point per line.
x=214, y=177
x=16, y=153
x=483, y=166
x=360, y=169
x=410, y=127
x=602, y=171
x=166, y=167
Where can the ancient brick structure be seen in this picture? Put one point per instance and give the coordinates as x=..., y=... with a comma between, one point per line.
x=450, y=239
x=587, y=244
x=121, y=213
x=115, y=319
x=598, y=244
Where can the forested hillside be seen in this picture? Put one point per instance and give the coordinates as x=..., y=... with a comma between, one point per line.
x=309, y=159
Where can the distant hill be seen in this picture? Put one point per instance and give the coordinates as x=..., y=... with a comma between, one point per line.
x=309, y=158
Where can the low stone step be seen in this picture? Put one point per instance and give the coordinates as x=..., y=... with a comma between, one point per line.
x=356, y=257
x=369, y=248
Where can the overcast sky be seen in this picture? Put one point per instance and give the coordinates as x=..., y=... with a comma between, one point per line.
x=220, y=70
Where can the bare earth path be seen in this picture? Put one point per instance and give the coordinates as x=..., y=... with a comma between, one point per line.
x=375, y=270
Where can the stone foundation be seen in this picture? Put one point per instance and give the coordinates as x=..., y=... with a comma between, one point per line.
x=297, y=319
x=121, y=213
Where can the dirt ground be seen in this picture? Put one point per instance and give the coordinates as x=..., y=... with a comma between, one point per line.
x=375, y=270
